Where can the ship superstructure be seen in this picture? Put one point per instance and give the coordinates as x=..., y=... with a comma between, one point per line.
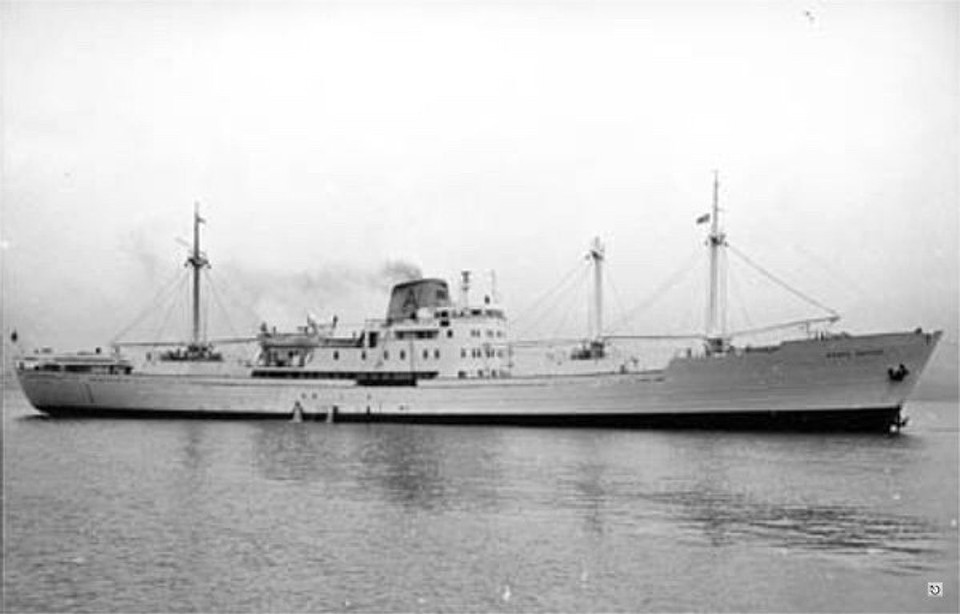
x=423, y=336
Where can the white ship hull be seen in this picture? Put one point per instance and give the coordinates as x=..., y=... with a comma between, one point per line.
x=836, y=383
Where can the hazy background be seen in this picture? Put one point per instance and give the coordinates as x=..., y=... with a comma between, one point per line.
x=335, y=147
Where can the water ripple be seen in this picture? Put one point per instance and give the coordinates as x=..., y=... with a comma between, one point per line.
x=902, y=541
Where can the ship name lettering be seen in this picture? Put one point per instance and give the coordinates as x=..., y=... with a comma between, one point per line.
x=838, y=354
x=869, y=352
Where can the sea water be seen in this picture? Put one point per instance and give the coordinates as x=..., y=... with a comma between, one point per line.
x=193, y=515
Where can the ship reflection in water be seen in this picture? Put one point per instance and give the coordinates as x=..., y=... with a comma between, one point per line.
x=280, y=516
x=590, y=478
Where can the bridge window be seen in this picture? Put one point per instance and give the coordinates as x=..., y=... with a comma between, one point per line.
x=386, y=354
x=403, y=355
x=363, y=355
x=336, y=355
x=436, y=354
x=426, y=354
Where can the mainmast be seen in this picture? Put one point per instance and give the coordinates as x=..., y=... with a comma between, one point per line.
x=593, y=348
x=596, y=255
x=716, y=320
x=198, y=261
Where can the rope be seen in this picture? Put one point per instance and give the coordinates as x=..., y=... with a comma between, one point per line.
x=734, y=286
x=676, y=277
x=173, y=304
x=843, y=280
x=235, y=301
x=566, y=312
x=780, y=282
x=215, y=293
x=151, y=305
x=538, y=304
x=206, y=314
x=616, y=298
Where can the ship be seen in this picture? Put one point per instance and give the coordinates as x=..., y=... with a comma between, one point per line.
x=436, y=360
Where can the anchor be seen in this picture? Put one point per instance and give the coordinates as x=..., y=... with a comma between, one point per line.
x=898, y=374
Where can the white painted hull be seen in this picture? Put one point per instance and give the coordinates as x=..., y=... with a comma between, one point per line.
x=793, y=386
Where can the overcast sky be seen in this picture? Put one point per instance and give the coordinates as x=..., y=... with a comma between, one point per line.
x=328, y=140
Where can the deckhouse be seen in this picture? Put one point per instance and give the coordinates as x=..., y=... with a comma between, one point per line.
x=425, y=335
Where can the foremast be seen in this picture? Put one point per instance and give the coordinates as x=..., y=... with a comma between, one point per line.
x=198, y=261
x=198, y=349
x=596, y=256
x=716, y=335
x=716, y=298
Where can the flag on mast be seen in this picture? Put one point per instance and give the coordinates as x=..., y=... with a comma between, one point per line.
x=703, y=219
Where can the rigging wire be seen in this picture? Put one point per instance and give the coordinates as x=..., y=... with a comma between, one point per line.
x=151, y=305
x=174, y=303
x=573, y=293
x=616, y=297
x=541, y=305
x=780, y=282
x=735, y=287
x=681, y=273
x=215, y=293
x=538, y=304
x=234, y=299
x=842, y=280
x=205, y=322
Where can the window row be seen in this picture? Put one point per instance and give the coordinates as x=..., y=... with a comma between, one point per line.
x=480, y=353
x=402, y=354
x=475, y=332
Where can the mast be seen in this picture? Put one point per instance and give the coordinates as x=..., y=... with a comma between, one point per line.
x=198, y=261
x=716, y=324
x=596, y=256
x=464, y=288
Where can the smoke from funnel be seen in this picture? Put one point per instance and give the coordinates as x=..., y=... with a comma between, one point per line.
x=396, y=271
